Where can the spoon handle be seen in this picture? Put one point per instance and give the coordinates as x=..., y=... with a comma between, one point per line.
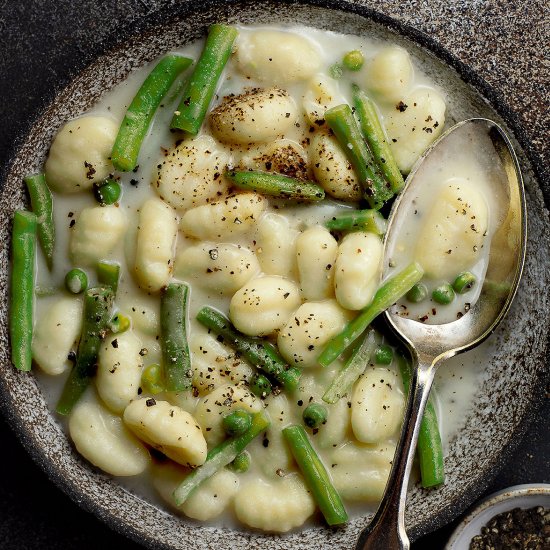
x=387, y=531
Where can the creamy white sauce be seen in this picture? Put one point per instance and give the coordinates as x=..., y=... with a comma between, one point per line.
x=455, y=382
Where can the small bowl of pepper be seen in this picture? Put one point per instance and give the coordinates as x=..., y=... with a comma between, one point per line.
x=517, y=517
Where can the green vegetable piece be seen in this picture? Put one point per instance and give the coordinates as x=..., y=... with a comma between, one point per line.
x=373, y=132
x=152, y=379
x=220, y=456
x=383, y=355
x=175, y=350
x=241, y=463
x=119, y=323
x=316, y=476
x=260, y=386
x=353, y=61
x=42, y=206
x=107, y=192
x=352, y=369
x=341, y=121
x=255, y=351
x=108, y=274
x=336, y=71
x=314, y=415
x=45, y=290
x=464, y=282
x=23, y=247
x=362, y=220
x=201, y=87
x=443, y=294
x=429, y=449
x=237, y=422
x=418, y=293
x=393, y=289
x=276, y=185
x=76, y=281
x=138, y=117
x=98, y=303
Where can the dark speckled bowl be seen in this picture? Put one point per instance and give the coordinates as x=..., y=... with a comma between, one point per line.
x=512, y=384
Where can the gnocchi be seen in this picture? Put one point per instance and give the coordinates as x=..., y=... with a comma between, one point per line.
x=389, y=74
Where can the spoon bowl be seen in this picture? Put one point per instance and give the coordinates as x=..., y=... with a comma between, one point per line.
x=431, y=343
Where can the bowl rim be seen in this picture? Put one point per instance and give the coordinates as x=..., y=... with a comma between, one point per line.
x=144, y=24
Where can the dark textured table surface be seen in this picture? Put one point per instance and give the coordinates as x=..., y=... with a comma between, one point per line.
x=39, y=40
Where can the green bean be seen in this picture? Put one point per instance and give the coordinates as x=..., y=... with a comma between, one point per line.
x=42, y=206
x=316, y=476
x=418, y=293
x=175, y=350
x=23, y=245
x=259, y=353
x=237, y=422
x=276, y=185
x=138, y=117
x=151, y=379
x=76, y=281
x=393, y=289
x=97, y=310
x=341, y=121
x=260, y=386
x=353, y=61
x=429, y=448
x=376, y=138
x=220, y=456
x=241, y=463
x=464, y=282
x=383, y=355
x=108, y=274
x=201, y=87
x=107, y=192
x=352, y=369
x=443, y=294
x=314, y=415
x=364, y=220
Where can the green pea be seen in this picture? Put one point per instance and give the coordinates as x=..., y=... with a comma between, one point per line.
x=107, y=192
x=314, y=415
x=336, y=71
x=353, y=60
x=237, y=422
x=76, y=281
x=151, y=379
x=443, y=294
x=119, y=323
x=241, y=462
x=417, y=293
x=383, y=355
x=260, y=385
x=464, y=282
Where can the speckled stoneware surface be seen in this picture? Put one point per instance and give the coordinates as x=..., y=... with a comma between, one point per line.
x=511, y=384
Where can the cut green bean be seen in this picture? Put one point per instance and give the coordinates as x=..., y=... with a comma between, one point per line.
x=341, y=121
x=276, y=185
x=429, y=448
x=376, y=138
x=108, y=273
x=138, y=117
x=23, y=246
x=220, y=456
x=201, y=87
x=316, y=476
x=107, y=192
x=259, y=353
x=363, y=220
x=42, y=207
x=151, y=379
x=175, y=350
x=393, y=289
x=97, y=313
x=315, y=415
x=76, y=281
x=352, y=369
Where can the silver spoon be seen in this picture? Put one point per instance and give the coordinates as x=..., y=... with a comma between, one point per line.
x=431, y=344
